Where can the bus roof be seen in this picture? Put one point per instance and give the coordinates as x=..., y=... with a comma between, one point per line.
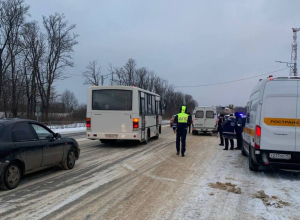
x=122, y=87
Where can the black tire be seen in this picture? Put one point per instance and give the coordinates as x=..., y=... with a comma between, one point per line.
x=147, y=137
x=243, y=152
x=194, y=132
x=11, y=177
x=252, y=166
x=70, y=160
x=160, y=129
x=156, y=136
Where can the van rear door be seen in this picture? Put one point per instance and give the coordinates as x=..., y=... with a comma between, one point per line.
x=278, y=116
x=210, y=121
x=199, y=118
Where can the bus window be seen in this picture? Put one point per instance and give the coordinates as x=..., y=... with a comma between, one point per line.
x=112, y=99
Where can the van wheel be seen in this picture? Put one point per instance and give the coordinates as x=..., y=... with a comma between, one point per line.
x=11, y=177
x=252, y=165
x=243, y=152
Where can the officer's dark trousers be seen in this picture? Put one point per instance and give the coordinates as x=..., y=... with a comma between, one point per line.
x=231, y=143
x=239, y=140
x=181, y=134
x=221, y=138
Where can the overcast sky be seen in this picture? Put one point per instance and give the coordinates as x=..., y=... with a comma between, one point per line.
x=186, y=42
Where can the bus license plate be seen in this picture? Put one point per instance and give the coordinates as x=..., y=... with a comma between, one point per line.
x=280, y=156
x=111, y=135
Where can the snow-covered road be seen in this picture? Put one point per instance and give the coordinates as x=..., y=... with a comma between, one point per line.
x=125, y=181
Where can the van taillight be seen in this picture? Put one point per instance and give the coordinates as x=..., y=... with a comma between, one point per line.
x=257, y=137
x=88, y=123
x=135, y=124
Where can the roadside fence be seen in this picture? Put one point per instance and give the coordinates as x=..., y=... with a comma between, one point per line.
x=65, y=124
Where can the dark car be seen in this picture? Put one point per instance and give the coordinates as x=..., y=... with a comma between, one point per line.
x=27, y=146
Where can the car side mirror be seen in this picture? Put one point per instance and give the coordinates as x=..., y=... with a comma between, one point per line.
x=57, y=135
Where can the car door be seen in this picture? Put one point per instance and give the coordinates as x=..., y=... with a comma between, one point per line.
x=28, y=145
x=52, y=148
x=199, y=119
x=210, y=120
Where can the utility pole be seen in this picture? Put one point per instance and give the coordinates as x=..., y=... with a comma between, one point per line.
x=294, y=70
x=102, y=80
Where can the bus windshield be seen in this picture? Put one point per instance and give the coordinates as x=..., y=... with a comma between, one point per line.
x=112, y=99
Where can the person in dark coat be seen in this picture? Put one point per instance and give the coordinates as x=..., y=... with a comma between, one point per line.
x=220, y=129
x=190, y=122
x=228, y=131
x=180, y=125
x=238, y=130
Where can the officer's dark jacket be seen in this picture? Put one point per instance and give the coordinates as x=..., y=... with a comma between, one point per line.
x=229, y=128
x=220, y=124
x=177, y=125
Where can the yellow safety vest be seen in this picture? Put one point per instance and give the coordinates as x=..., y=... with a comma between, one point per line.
x=183, y=117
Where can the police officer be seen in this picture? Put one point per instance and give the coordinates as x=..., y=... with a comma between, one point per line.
x=191, y=122
x=220, y=129
x=238, y=130
x=181, y=122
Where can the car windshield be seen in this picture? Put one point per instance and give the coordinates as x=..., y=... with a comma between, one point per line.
x=112, y=99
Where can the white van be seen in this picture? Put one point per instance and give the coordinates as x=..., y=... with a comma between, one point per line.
x=204, y=119
x=272, y=131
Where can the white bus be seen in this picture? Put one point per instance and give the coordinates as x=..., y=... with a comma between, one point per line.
x=123, y=113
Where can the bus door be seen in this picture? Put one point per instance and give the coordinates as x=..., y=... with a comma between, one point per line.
x=157, y=115
x=143, y=115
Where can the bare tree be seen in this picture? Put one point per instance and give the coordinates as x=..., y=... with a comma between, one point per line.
x=13, y=15
x=60, y=42
x=92, y=74
x=69, y=101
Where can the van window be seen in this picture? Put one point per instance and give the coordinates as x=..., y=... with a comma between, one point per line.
x=199, y=114
x=210, y=114
x=112, y=99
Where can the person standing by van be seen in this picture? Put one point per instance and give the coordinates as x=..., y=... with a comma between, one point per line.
x=228, y=131
x=238, y=130
x=220, y=129
x=191, y=121
x=181, y=122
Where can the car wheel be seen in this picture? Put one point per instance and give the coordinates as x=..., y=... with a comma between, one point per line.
x=70, y=161
x=11, y=177
x=252, y=165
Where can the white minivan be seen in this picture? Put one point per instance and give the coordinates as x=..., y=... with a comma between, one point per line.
x=272, y=131
x=204, y=119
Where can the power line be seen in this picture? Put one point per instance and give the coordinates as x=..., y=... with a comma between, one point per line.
x=237, y=80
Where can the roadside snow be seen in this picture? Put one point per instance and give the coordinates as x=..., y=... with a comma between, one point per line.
x=69, y=130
